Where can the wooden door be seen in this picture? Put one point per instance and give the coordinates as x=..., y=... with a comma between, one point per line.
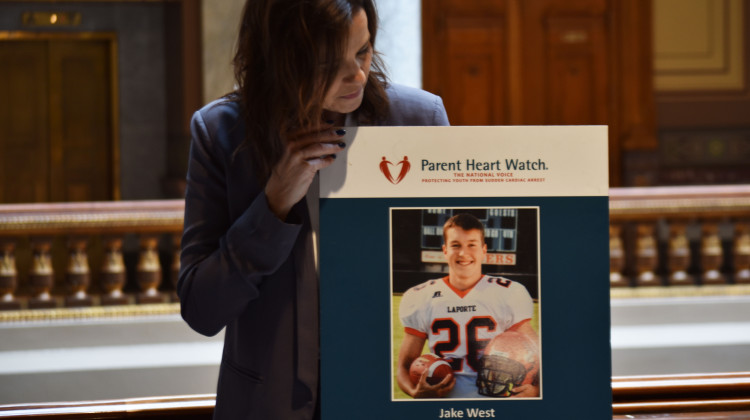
x=544, y=62
x=518, y=61
x=24, y=123
x=56, y=124
x=468, y=59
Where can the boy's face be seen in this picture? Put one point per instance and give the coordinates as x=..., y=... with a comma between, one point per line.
x=464, y=250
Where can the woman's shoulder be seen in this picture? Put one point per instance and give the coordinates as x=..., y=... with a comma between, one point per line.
x=220, y=120
x=220, y=111
x=412, y=106
x=399, y=92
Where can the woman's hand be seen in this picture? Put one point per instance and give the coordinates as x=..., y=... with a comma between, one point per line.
x=305, y=153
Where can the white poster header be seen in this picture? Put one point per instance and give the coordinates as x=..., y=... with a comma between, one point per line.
x=461, y=161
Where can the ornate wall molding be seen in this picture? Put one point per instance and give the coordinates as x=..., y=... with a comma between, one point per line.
x=699, y=45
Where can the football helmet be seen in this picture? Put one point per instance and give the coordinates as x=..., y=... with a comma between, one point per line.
x=511, y=359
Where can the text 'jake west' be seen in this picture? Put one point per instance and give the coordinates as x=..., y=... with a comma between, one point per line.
x=452, y=413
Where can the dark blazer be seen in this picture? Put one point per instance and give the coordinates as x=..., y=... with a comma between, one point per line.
x=244, y=269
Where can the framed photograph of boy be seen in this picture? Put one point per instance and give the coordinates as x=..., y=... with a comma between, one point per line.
x=465, y=303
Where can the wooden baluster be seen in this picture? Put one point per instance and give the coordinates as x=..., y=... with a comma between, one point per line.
x=8, y=276
x=41, y=276
x=679, y=255
x=742, y=253
x=646, y=256
x=711, y=254
x=78, y=275
x=616, y=257
x=148, y=272
x=113, y=273
x=175, y=269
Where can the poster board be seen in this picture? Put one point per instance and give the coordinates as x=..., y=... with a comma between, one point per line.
x=541, y=194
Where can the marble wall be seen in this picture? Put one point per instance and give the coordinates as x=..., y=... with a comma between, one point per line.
x=400, y=40
x=139, y=27
x=220, y=22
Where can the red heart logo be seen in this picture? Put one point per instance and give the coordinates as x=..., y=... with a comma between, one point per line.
x=386, y=170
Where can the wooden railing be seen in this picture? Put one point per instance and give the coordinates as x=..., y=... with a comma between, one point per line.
x=646, y=395
x=115, y=253
x=679, y=236
x=58, y=249
x=715, y=397
x=189, y=407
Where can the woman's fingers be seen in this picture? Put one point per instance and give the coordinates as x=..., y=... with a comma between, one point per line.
x=321, y=162
x=315, y=144
x=321, y=150
x=303, y=157
x=302, y=140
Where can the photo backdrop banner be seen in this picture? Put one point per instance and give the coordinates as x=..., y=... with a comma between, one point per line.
x=541, y=193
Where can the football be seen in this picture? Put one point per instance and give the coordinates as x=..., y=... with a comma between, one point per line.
x=437, y=369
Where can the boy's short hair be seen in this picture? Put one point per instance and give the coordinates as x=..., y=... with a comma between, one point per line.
x=464, y=221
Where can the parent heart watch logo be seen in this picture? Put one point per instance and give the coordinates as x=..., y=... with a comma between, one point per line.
x=385, y=168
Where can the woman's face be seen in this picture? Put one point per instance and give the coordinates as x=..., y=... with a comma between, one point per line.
x=345, y=94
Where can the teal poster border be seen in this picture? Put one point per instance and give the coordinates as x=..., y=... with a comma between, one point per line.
x=355, y=302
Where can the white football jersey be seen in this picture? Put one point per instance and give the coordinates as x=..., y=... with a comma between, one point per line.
x=459, y=324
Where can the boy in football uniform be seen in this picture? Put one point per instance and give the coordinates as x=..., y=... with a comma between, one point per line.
x=459, y=314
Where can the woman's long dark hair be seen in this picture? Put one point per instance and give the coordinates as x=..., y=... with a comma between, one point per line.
x=288, y=55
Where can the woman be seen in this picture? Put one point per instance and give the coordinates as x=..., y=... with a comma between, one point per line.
x=304, y=69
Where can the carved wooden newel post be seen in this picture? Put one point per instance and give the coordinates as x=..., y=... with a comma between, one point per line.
x=646, y=256
x=113, y=273
x=742, y=253
x=148, y=272
x=41, y=276
x=616, y=257
x=679, y=255
x=175, y=269
x=78, y=275
x=711, y=254
x=8, y=276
